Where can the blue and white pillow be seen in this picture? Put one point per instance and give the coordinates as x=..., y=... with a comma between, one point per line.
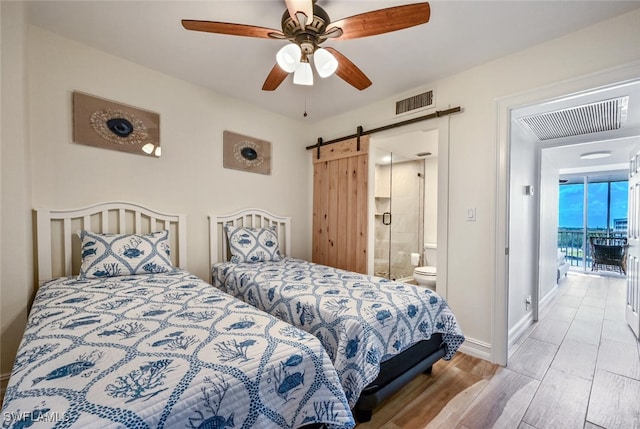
x=112, y=255
x=253, y=244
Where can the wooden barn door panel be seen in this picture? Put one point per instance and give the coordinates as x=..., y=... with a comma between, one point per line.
x=340, y=205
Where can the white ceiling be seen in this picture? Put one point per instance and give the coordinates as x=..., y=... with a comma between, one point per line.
x=460, y=35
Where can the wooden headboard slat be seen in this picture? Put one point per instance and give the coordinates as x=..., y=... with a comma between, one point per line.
x=67, y=234
x=72, y=220
x=122, y=220
x=138, y=222
x=104, y=217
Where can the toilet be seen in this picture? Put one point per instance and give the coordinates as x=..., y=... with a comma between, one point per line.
x=426, y=274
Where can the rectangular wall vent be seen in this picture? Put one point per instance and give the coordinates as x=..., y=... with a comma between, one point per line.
x=416, y=102
x=590, y=118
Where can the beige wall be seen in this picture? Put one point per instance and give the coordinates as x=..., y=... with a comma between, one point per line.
x=189, y=177
x=473, y=167
x=16, y=266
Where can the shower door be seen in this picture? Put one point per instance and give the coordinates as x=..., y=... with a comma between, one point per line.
x=399, y=208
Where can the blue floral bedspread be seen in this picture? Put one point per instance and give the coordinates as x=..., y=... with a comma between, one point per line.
x=361, y=320
x=165, y=351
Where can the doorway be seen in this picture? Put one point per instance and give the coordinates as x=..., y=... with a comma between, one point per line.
x=424, y=146
x=536, y=163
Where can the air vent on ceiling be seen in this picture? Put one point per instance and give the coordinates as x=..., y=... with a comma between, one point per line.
x=420, y=101
x=596, y=117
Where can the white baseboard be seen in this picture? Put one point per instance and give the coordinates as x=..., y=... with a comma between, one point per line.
x=520, y=328
x=548, y=298
x=476, y=348
x=527, y=320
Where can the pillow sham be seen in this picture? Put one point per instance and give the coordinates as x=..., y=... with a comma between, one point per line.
x=253, y=244
x=112, y=255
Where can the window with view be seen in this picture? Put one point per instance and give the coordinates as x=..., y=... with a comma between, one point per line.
x=606, y=215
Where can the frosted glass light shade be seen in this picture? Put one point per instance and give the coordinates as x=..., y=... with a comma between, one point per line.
x=326, y=64
x=303, y=74
x=288, y=57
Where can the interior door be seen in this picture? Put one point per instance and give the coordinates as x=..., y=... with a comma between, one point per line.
x=340, y=210
x=632, y=308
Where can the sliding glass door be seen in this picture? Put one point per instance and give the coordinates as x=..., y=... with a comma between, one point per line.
x=605, y=200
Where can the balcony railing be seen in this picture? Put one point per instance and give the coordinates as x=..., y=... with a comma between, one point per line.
x=571, y=242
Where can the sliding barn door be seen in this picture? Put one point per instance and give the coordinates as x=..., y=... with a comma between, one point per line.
x=340, y=177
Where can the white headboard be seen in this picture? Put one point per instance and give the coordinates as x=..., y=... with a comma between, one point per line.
x=250, y=218
x=58, y=245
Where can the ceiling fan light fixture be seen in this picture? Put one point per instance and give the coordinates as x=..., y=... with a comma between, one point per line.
x=326, y=64
x=303, y=74
x=288, y=57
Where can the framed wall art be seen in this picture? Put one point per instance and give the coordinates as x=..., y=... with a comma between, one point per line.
x=246, y=153
x=110, y=125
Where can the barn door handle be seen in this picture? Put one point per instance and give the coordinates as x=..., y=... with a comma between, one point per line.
x=386, y=218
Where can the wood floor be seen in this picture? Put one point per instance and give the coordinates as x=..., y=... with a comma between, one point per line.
x=578, y=367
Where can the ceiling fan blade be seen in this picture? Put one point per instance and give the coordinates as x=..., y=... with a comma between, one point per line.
x=274, y=79
x=382, y=21
x=303, y=6
x=349, y=72
x=232, y=29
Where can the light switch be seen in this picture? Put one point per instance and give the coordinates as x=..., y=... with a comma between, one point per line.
x=471, y=214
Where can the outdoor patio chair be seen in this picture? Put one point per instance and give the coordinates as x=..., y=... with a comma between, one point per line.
x=609, y=254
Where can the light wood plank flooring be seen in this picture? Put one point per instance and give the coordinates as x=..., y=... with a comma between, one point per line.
x=578, y=367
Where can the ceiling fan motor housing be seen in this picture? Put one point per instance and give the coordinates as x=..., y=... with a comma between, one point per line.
x=307, y=36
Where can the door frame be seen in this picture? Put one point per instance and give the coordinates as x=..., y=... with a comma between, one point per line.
x=502, y=117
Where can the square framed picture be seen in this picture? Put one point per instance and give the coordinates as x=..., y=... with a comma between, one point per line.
x=110, y=125
x=246, y=153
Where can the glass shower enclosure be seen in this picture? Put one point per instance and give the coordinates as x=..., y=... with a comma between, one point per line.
x=399, y=214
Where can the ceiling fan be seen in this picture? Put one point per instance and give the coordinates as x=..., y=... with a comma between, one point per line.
x=306, y=25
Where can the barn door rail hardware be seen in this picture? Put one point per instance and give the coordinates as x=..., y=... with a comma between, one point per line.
x=361, y=132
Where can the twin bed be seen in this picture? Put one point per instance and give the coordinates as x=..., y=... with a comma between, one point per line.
x=379, y=334
x=134, y=340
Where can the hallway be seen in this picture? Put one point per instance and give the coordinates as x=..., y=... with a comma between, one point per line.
x=585, y=357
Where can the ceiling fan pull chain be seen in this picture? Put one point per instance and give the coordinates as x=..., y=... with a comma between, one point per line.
x=305, y=102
